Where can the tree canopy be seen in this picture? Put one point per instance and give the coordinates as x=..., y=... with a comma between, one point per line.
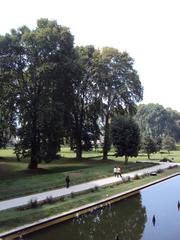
x=149, y=146
x=156, y=121
x=51, y=90
x=125, y=136
x=119, y=87
x=36, y=63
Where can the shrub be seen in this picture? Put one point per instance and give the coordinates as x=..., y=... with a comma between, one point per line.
x=62, y=198
x=126, y=179
x=72, y=195
x=136, y=177
x=49, y=200
x=96, y=188
x=33, y=203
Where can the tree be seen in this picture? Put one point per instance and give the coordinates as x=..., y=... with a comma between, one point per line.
x=125, y=136
x=156, y=121
x=7, y=126
x=168, y=143
x=173, y=124
x=149, y=146
x=84, y=110
x=7, y=118
x=7, y=106
x=119, y=87
x=37, y=64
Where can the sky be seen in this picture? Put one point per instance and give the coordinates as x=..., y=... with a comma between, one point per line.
x=149, y=30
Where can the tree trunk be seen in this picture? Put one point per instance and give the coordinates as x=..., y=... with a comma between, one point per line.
x=126, y=159
x=34, y=145
x=148, y=156
x=79, y=125
x=79, y=152
x=106, y=138
x=79, y=145
x=33, y=162
x=71, y=143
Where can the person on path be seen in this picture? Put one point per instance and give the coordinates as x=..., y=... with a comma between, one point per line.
x=115, y=171
x=67, y=179
x=119, y=172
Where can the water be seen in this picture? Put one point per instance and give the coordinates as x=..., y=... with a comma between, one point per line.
x=130, y=219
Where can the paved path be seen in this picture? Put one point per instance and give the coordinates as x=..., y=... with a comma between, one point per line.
x=16, y=202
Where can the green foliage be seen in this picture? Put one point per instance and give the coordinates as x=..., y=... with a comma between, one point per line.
x=37, y=65
x=84, y=110
x=125, y=136
x=119, y=87
x=149, y=146
x=53, y=91
x=168, y=143
x=156, y=121
x=7, y=107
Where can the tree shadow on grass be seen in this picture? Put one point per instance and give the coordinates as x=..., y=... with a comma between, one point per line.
x=61, y=169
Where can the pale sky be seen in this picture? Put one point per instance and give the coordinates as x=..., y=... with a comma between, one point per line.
x=149, y=30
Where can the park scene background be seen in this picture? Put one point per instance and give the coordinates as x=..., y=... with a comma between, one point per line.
x=76, y=110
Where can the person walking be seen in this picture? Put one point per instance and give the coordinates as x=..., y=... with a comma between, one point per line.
x=119, y=172
x=115, y=171
x=67, y=179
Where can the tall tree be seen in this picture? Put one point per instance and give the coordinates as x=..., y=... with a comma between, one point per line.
x=40, y=73
x=85, y=106
x=119, y=87
x=125, y=136
x=7, y=91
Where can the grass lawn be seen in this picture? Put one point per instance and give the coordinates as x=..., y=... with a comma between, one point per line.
x=16, y=180
x=13, y=218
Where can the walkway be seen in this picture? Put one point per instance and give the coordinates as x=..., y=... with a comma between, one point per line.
x=17, y=202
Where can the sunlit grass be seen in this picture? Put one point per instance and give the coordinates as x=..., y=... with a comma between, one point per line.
x=16, y=180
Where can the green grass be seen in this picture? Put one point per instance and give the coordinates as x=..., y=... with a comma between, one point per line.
x=16, y=180
x=13, y=218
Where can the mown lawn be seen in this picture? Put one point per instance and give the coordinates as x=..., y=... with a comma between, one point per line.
x=12, y=218
x=16, y=180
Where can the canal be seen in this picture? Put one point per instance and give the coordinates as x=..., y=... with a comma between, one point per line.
x=153, y=213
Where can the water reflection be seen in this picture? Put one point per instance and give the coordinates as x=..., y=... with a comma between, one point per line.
x=123, y=220
x=154, y=220
x=161, y=200
x=178, y=205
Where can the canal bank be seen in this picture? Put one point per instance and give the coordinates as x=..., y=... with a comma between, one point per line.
x=70, y=214
x=62, y=192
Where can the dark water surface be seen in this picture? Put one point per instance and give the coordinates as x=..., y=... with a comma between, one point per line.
x=130, y=219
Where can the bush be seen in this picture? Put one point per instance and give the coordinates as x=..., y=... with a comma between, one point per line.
x=49, y=200
x=165, y=160
x=136, y=177
x=127, y=179
x=33, y=203
x=72, y=195
x=96, y=188
x=62, y=198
